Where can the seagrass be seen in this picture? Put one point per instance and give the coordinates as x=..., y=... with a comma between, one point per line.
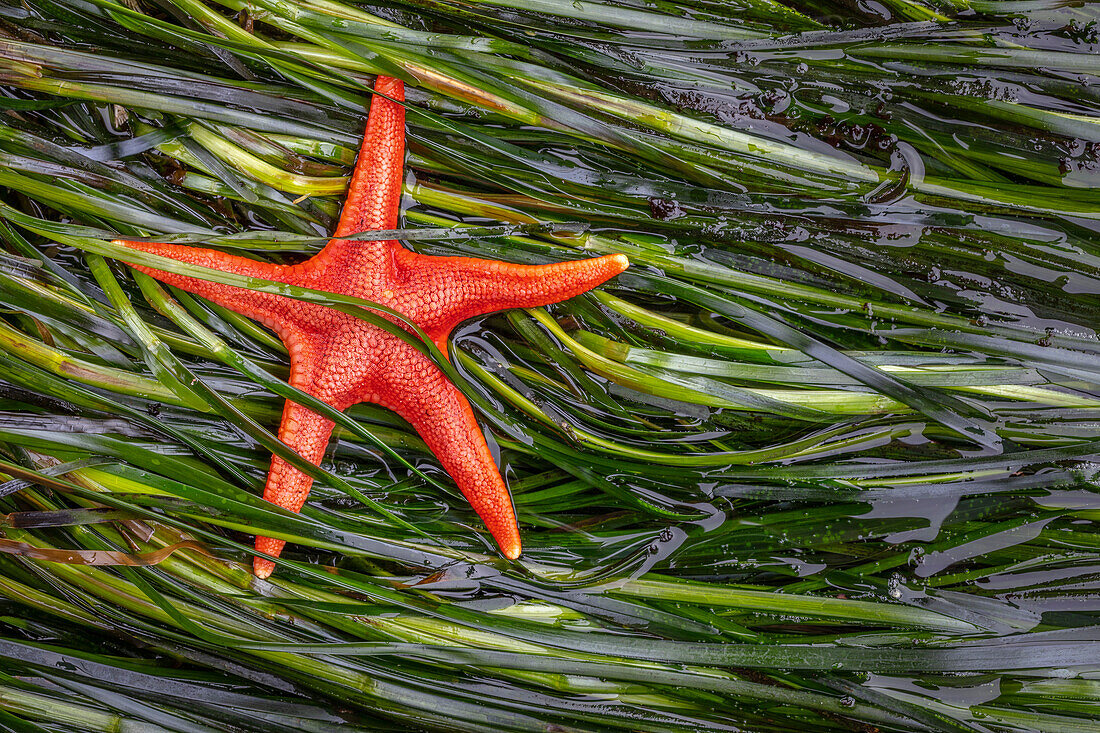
x=824, y=458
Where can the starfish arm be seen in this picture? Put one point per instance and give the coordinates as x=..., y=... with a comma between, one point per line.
x=306, y=433
x=468, y=287
x=264, y=307
x=438, y=411
x=374, y=194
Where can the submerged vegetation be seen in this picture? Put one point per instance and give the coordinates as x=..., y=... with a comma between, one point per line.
x=822, y=459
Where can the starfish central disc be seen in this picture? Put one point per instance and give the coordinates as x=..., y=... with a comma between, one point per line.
x=343, y=360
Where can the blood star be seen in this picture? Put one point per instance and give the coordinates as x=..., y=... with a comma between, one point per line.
x=342, y=360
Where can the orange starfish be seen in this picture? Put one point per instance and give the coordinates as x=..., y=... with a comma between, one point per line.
x=343, y=360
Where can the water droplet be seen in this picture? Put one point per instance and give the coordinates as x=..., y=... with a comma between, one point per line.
x=893, y=587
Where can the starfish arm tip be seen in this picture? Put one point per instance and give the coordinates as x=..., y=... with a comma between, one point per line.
x=502, y=525
x=262, y=568
x=563, y=280
x=490, y=285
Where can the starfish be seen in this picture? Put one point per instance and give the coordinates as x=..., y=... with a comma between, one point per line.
x=343, y=360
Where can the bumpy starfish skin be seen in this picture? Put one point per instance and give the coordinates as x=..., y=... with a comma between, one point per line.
x=343, y=360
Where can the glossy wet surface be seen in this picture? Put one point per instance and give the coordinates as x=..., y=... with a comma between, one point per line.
x=824, y=458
